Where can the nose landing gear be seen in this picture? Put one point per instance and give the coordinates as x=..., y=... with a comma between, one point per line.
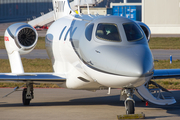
x=129, y=105
x=126, y=96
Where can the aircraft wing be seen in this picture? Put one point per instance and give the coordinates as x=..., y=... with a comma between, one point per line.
x=32, y=77
x=166, y=73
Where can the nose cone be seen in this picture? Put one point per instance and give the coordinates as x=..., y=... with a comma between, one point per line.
x=135, y=61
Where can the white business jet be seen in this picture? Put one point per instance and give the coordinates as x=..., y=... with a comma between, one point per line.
x=89, y=52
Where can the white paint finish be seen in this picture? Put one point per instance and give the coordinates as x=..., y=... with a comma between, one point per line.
x=114, y=81
x=66, y=60
x=12, y=44
x=16, y=63
x=14, y=48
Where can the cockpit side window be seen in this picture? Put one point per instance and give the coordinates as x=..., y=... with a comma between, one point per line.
x=88, y=31
x=133, y=32
x=108, y=32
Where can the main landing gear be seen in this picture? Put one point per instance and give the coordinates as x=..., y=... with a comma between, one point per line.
x=127, y=97
x=27, y=94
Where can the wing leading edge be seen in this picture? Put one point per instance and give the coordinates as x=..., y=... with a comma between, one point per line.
x=166, y=73
x=33, y=77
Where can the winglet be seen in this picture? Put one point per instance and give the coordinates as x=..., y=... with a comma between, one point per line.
x=62, y=8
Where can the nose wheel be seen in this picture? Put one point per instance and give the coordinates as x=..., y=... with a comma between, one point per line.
x=126, y=96
x=129, y=107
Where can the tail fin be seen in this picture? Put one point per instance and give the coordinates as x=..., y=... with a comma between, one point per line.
x=62, y=8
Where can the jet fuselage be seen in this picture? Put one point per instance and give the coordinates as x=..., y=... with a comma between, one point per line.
x=109, y=51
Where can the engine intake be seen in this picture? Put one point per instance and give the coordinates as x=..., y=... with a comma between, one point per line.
x=20, y=37
x=26, y=37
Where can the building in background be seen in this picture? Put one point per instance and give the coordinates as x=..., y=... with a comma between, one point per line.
x=128, y=8
x=162, y=16
x=21, y=10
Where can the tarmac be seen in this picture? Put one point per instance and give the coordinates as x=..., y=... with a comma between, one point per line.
x=65, y=104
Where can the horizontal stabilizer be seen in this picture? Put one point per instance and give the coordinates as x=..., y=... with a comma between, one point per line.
x=42, y=20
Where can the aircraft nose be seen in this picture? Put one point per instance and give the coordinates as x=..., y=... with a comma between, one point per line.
x=136, y=61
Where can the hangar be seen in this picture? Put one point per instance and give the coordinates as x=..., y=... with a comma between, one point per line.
x=162, y=16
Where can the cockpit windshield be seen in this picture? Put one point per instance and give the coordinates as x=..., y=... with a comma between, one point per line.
x=108, y=32
x=133, y=32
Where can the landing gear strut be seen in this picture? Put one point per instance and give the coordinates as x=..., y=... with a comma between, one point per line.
x=27, y=94
x=127, y=96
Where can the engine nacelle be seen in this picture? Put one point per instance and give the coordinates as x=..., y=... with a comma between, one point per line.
x=20, y=37
x=146, y=29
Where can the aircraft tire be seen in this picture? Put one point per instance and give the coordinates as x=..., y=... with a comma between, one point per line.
x=129, y=107
x=24, y=100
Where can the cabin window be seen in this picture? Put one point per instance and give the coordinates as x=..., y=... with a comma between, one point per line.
x=133, y=32
x=108, y=32
x=88, y=31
